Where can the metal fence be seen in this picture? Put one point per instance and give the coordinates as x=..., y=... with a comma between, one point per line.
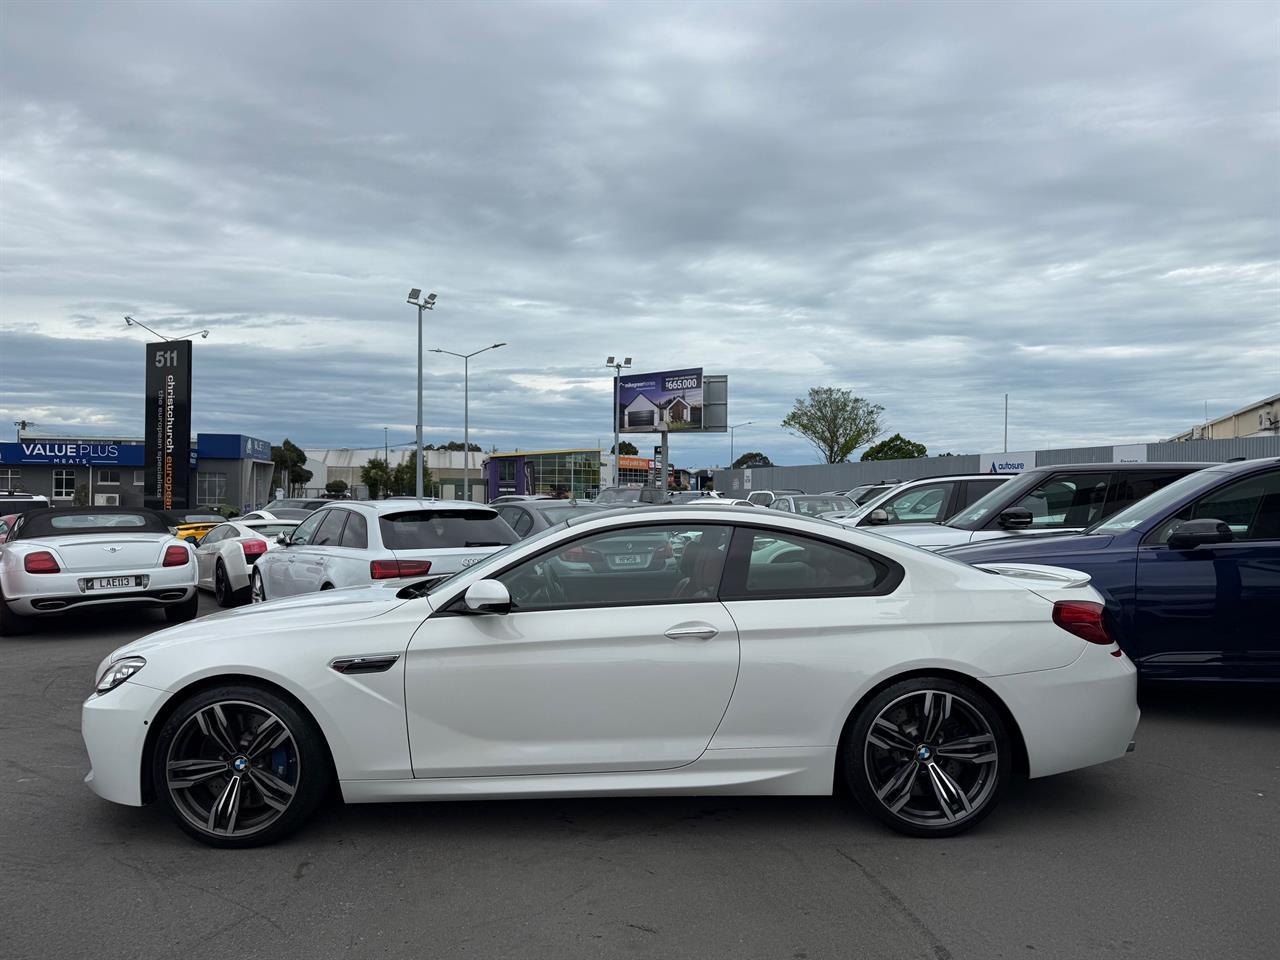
x=821, y=477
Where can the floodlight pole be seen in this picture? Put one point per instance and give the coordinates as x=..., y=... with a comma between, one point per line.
x=415, y=298
x=734, y=427
x=617, y=366
x=466, y=411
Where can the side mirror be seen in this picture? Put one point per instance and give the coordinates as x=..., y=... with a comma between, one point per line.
x=1015, y=518
x=283, y=539
x=488, y=596
x=1194, y=533
x=878, y=515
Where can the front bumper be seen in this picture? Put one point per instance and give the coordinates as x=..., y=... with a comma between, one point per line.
x=114, y=726
x=1074, y=716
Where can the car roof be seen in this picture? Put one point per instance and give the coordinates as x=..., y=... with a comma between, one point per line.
x=1188, y=465
x=410, y=503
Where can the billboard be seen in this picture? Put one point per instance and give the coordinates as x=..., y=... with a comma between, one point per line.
x=168, y=422
x=669, y=401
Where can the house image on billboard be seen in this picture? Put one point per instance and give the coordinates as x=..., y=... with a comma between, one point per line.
x=643, y=412
x=675, y=410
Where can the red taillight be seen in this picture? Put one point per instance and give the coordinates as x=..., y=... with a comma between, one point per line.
x=253, y=549
x=1083, y=618
x=176, y=557
x=391, y=569
x=41, y=561
x=581, y=555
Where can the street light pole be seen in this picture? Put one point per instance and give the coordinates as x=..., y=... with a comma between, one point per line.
x=617, y=374
x=428, y=304
x=466, y=410
x=744, y=423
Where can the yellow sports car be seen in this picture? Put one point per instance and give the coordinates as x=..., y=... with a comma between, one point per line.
x=192, y=527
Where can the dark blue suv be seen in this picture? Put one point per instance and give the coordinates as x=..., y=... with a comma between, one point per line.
x=1191, y=573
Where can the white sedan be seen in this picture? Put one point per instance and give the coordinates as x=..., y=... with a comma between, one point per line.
x=774, y=655
x=227, y=554
x=84, y=558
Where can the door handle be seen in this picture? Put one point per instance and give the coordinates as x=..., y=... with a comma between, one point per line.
x=703, y=632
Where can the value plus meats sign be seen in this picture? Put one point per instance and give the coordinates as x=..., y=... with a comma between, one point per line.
x=168, y=419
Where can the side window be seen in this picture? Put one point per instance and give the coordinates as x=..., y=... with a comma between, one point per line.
x=304, y=531
x=1066, y=500
x=776, y=565
x=330, y=531
x=509, y=515
x=1250, y=507
x=781, y=504
x=356, y=533
x=214, y=535
x=1129, y=488
x=677, y=563
x=523, y=523
x=922, y=504
x=975, y=490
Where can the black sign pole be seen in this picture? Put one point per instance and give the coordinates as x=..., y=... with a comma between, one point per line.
x=168, y=425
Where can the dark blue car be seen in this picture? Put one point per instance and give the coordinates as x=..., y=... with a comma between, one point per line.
x=1191, y=574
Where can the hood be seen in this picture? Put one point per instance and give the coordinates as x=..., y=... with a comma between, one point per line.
x=291, y=613
x=1029, y=549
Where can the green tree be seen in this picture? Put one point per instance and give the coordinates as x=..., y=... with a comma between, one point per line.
x=896, y=447
x=404, y=479
x=752, y=458
x=290, y=471
x=834, y=421
x=626, y=449
x=376, y=475
x=336, y=487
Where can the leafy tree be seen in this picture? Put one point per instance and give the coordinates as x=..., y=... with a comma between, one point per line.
x=626, y=449
x=290, y=471
x=404, y=479
x=834, y=421
x=896, y=447
x=751, y=459
x=336, y=487
x=457, y=446
x=376, y=475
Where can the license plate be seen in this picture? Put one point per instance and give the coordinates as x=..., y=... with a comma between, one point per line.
x=135, y=582
x=628, y=560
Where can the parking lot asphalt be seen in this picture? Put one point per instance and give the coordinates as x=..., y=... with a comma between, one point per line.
x=1172, y=852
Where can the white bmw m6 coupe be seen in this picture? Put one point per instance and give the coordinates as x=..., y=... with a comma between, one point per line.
x=647, y=651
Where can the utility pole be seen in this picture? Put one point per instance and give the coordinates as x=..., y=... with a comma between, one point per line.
x=1006, y=423
x=428, y=304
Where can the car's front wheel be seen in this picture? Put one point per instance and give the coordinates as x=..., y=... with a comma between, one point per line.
x=257, y=592
x=929, y=756
x=239, y=766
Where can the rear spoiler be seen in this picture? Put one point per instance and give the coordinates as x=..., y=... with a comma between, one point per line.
x=1036, y=574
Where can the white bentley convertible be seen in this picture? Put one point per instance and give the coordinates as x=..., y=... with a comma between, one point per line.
x=649, y=651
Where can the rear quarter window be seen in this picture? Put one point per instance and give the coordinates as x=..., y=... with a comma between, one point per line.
x=444, y=529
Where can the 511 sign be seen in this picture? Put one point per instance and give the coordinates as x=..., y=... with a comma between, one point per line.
x=168, y=425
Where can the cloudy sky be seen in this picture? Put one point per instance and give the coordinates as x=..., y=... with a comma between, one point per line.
x=932, y=204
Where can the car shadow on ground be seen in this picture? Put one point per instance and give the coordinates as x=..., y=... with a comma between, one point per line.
x=1211, y=702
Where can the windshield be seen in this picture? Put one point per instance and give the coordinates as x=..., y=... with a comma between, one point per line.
x=1011, y=492
x=1148, y=507
x=618, y=496
x=444, y=529
x=561, y=512
x=271, y=529
x=861, y=495
x=812, y=506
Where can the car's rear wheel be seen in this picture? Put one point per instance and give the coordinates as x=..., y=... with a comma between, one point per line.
x=929, y=756
x=12, y=624
x=239, y=766
x=257, y=592
x=184, y=611
x=223, y=595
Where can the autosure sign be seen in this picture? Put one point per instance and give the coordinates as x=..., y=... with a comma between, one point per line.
x=168, y=421
x=658, y=402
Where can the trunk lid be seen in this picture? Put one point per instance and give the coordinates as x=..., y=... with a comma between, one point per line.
x=445, y=560
x=107, y=552
x=1052, y=583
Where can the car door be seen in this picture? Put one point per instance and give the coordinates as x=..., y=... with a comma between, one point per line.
x=314, y=569
x=207, y=552
x=1214, y=611
x=615, y=668
x=925, y=503
x=279, y=579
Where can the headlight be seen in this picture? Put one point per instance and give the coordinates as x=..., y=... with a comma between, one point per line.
x=118, y=672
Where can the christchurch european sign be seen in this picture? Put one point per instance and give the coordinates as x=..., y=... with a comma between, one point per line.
x=168, y=423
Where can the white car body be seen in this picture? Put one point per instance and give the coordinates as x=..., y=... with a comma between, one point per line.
x=926, y=512
x=308, y=567
x=226, y=545
x=96, y=568
x=699, y=696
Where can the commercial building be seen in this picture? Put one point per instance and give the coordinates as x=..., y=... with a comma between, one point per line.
x=1261, y=419
x=227, y=469
x=447, y=468
x=572, y=473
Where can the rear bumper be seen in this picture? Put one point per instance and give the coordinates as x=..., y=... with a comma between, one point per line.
x=1074, y=716
x=46, y=604
x=114, y=727
x=35, y=594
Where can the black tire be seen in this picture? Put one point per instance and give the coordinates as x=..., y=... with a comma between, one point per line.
x=273, y=796
x=223, y=595
x=929, y=757
x=257, y=589
x=184, y=611
x=12, y=624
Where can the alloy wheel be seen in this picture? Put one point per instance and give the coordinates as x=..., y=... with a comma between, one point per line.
x=232, y=769
x=220, y=585
x=931, y=758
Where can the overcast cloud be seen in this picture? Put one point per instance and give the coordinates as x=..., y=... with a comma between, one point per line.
x=931, y=204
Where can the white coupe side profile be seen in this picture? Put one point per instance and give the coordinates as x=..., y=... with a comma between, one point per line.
x=356, y=543
x=657, y=650
x=226, y=555
x=78, y=558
